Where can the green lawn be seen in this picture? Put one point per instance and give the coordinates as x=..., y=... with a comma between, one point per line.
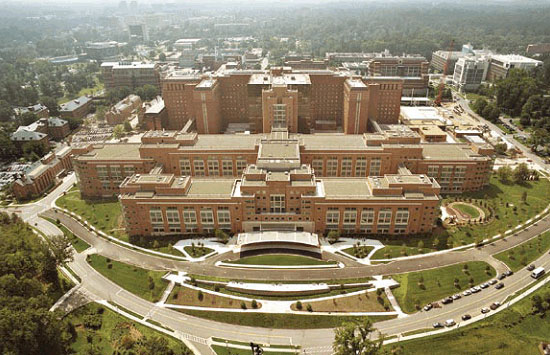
x=469, y=210
x=359, y=252
x=76, y=242
x=84, y=91
x=280, y=260
x=105, y=215
x=512, y=331
x=525, y=253
x=281, y=321
x=132, y=278
x=197, y=251
x=438, y=283
x=395, y=251
x=116, y=335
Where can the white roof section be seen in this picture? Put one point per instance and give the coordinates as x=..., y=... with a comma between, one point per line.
x=23, y=133
x=422, y=113
x=278, y=287
x=306, y=238
x=516, y=59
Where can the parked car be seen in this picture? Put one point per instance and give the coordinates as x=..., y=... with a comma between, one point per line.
x=495, y=305
x=484, y=285
x=475, y=289
x=428, y=307
x=456, y=297
x=501, y=276
x=437, y=325
x=499, y=285
x=466, y=293
x=509, y=273
x=447, y=300
x=485, y=310
x=449, y=322
x=493, y=281
x=466, y=317
x=531, y=267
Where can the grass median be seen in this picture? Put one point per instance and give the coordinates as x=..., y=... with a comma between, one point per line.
x=77, y=243
x=281, y=260
x=525, y=253
x=279, y=321
x=419, y=288
x=144, y=283
x=186, y=296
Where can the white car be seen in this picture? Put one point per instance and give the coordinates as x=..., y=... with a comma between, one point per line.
x=466, y=293
x=449, y=322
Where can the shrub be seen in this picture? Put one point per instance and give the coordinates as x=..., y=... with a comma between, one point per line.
x=254, y=304
x=200, y=295
x=299, y=305
x=243, y=305
x=109, y=266
x=309, y=307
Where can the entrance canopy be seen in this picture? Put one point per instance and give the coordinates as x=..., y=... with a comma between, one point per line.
x=278, y=237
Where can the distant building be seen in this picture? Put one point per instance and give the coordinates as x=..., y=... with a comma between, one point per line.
x=39, y=110
x=338, y=58
x=123, y=110
x=470, y=72
x=538, y=49
x=413, y=70
x=440, y=57
x=252, y=58
x=43, y=174
x=129, y=74
x=500, y=65
x=77, y=108
x=58, y=128
x=138, y=31
x=104, y=50
x=186, y=43
x=155, y=114
x=42, y=131
x=306, y=64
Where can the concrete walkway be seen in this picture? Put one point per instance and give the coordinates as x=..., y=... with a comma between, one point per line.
x=346, y=243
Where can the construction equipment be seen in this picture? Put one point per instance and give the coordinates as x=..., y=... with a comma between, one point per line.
x=437, y=101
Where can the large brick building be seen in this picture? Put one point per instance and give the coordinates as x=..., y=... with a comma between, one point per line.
x=412, y=69
x=384, y=182
x=309, y=100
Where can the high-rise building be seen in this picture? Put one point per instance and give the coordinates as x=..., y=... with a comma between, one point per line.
x=129, y=74
x=469, y=72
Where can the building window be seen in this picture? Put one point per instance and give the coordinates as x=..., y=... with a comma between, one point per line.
x=446, y=173
x=207, y=216
x=277, y=203
x=185, y=167
x=361, y=166
x=102, y=173
x=375, y=165
x=279, y=116
x=116, y=172
x=190, y=219
x=213, y=168
x=157, y=222
x=332, y=166
x=460, y=173
x=317, y=165
x=433, y=171
x=129, y=170
x=384, y=216
x=198, y=165
x=227, y=167
x=402, y=216
x=172, y=215
x=224, y=218
x=350, y=218
x=345, y=169
x=241, y=165
x=367, y=220
x=333, y=218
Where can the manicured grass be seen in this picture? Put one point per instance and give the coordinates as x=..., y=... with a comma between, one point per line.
x=222, y=350
x=197, y=251
x=330, y=282
x=438, y=283
x=105, y=215
x=189, y=297
x=115, y=330
x=76, y=242
x=281, y=260
x=359, y=252
x=525, y=253
x=283, y=298
x=281, y=321
x=512, y=331
x=132, y=278
x=471, y=211
x=363, y=302
x=395, y=251
x=501, y=197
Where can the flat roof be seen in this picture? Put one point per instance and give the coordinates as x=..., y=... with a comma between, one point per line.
x=310, y=239
x=210, y=187
x=446, y=151
x=115, y=151
x=346, y=188
x=224, y=142
x=337, y=141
